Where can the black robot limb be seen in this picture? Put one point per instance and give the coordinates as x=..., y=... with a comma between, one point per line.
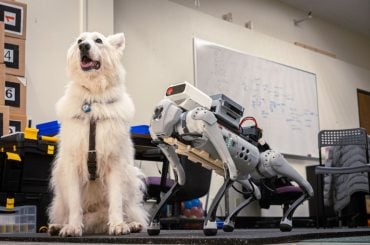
x=273, y=164
x=154, y=227
x=210, y=225
x=165, y=117
x=229, y=222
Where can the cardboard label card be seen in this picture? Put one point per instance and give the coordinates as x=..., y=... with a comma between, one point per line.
x=4, y=120
x=1, y=39
x=17, y=123
x=14, y=56
x=14, y=95
x=13, y=14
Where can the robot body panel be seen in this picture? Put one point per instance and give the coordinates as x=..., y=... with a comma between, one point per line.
x=245, y=155
x=165, y=116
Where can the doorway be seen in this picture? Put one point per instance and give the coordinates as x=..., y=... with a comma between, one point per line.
x=363, y=98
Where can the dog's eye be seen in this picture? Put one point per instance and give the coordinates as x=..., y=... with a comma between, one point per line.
x=98, y=40
x=79, y=41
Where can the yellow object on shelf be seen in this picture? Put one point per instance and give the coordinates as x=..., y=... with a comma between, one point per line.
x=30, y=133
x=9, y=203
x=49, y=138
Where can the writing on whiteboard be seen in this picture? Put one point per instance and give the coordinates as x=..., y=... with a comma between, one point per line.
x=283, y=99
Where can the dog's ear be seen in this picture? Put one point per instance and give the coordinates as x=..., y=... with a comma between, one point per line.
x=117, y=41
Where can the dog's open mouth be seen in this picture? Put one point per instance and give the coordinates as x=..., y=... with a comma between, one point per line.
x=89, y=64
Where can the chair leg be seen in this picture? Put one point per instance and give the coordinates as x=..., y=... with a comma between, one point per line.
x=317, y=201
x=320, y=219
x=154, y=226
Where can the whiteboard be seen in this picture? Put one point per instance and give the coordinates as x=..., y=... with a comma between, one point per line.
x=283, y=99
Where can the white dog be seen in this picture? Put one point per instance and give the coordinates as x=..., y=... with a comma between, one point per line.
x=113, y=201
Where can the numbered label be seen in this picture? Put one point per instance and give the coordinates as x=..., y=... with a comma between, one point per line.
x=9, y=18
x=9, y=55
x=12, y=16
x=12, y=129
x=10, y=93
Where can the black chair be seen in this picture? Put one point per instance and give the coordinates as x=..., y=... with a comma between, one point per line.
x=278, y=191
x=340, y=138
x=197, y=184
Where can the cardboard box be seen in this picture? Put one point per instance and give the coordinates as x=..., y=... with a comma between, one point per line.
x=2, y=84
x=14, y=56
x=14, y=16
x=14, y=94
x=4, y=120
x=17, y=123
x=1, y=39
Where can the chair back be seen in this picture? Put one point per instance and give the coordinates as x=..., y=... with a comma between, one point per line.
x=341, y=137
x=198, y=181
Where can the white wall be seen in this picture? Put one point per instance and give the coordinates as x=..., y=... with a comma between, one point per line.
x=100, y=16
x=47, y=40
x=159, y=52
x=52, y=26
x=275, y=19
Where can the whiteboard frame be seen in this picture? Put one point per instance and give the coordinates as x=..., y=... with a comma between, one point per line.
x=313, y=156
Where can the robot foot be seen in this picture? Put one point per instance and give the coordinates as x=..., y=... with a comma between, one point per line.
x=210, y=232
x=229, y=227
x=210, y=228
x=286, y=225
x=154, y=229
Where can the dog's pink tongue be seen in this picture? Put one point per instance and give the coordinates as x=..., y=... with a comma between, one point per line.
x=87, y=64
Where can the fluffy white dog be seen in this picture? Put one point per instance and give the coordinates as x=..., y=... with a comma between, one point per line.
x=112, y=202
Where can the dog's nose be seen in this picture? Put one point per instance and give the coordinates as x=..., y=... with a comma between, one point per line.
x=84, y=46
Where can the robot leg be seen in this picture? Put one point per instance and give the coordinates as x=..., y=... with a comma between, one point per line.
x=169, y=151
x=286, y=220
x=275, y=162
x=202, y=121
x=210, y=226
x=229, y=222
x=154, y=227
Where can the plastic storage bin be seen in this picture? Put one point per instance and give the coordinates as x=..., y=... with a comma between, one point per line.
x=40, y=200
x=25, y=162
x=18, y=220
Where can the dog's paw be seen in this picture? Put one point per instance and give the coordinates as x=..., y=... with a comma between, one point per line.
x=135, y=226
x=54, y=229
x=120, y=229
x=70, y=230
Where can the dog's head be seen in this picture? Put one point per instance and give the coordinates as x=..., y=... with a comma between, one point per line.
x=94, y=58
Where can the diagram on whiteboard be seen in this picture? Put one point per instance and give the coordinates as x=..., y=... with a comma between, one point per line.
x=283, y=99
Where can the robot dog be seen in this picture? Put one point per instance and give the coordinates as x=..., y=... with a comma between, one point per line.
x=207, y=131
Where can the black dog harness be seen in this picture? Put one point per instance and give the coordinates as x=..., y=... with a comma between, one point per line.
x=91, y=154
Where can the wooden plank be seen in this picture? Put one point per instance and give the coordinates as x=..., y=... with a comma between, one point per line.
x=196, y=155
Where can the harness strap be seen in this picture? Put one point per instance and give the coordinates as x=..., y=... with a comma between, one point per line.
x=91, y=157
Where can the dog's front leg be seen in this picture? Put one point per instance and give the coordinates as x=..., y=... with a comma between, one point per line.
x=117, y=226
x=72, y=191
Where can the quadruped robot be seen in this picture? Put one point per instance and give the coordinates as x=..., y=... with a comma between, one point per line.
x=206, y=130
